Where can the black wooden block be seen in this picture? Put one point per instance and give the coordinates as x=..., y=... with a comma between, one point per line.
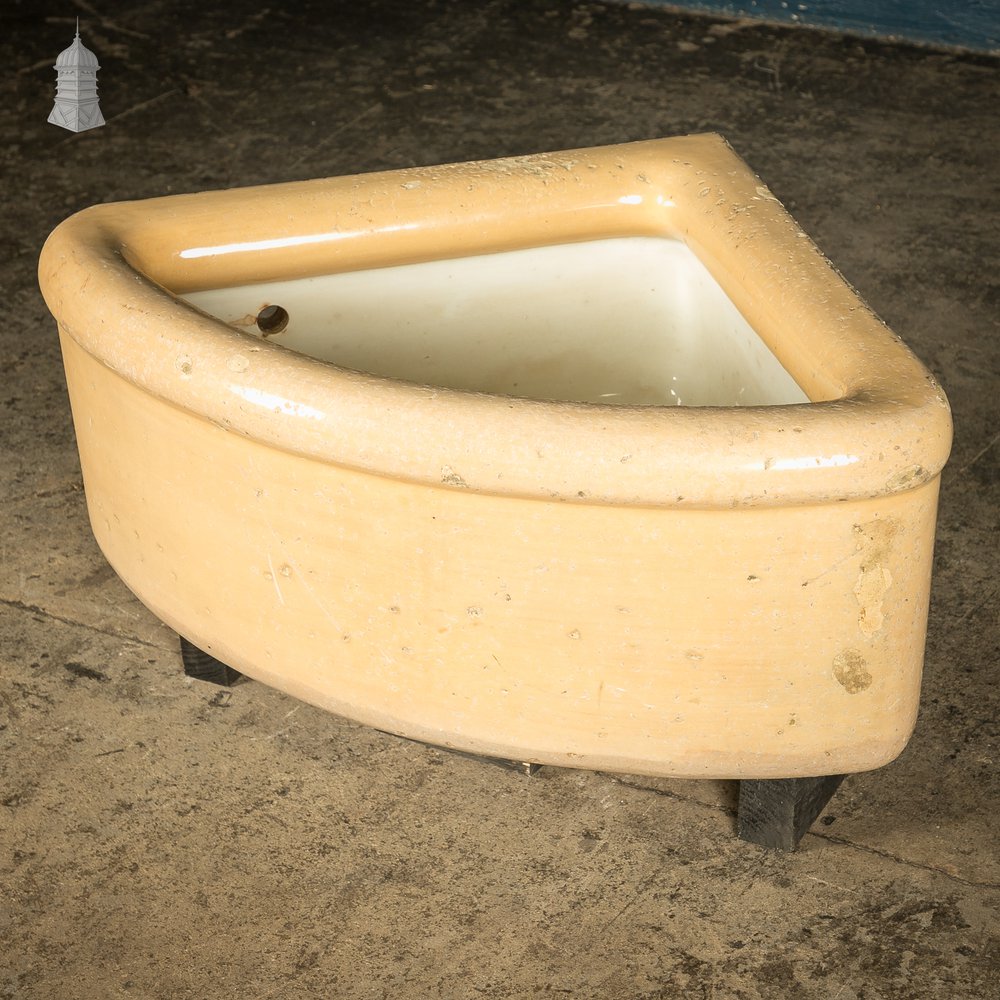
x=777, y=812
x=205, y=667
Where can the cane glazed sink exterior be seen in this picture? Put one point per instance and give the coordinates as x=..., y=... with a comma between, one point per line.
x=495, y=529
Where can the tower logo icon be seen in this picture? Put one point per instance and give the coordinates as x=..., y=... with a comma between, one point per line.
x=76, y=106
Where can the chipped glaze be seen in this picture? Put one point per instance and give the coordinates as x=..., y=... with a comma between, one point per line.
x=694, y=591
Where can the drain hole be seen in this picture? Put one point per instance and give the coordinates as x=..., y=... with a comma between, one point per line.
x=272, y=320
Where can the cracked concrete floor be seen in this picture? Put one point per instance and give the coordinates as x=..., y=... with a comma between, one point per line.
x=160, y=838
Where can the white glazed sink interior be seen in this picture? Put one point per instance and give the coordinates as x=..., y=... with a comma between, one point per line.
x=634, y=320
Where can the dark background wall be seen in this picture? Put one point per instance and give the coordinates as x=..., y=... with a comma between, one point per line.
x=972, y=24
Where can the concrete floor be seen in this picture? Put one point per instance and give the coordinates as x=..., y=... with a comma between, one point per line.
x=162, y=838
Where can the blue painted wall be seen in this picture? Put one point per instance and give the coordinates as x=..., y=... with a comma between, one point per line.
x=972, y=24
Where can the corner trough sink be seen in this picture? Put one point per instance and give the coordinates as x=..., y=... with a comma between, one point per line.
x=586, y=459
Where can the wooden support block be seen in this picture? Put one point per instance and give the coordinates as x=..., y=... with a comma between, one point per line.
x=775, y=813
x=205, y=667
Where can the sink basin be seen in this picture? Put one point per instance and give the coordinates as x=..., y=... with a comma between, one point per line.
x=587, y=458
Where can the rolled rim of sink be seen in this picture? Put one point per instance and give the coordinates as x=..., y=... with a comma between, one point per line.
x=877, y=423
